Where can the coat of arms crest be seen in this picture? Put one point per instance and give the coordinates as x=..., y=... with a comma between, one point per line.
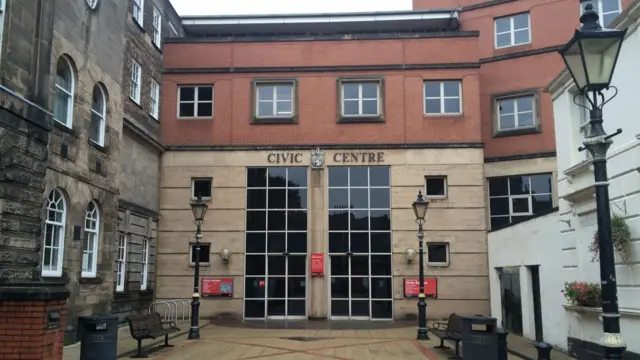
x=317, y=158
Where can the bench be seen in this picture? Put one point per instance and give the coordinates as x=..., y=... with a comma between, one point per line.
x=451, y=330
x=150, y=326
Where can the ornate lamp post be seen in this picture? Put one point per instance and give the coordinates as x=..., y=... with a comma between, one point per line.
x=591, y=57
x=199, y=209
x=420, y=209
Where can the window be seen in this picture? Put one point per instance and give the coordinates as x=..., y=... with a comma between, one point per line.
x=157, y=27
x=583, y=124
x=360, y=99
x=138, y=11
x=516, y=113
x=517, y=198
x=145, y=264
x=512, y=30
x=438, y=254
x=195, y=101
x=205, y=254
x=436, y=187
x=121, y=262
x=98, y=115
x=53, y=247
x=607, y=9
x=155, y=99
x=442, y=97
x=274, y=100
x=63, y=106
x=90, y=248
x=201, y=187
x=136, y=78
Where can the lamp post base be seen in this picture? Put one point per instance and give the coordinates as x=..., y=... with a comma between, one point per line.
x=194, y=333
x=422, y=319
x=194, y=330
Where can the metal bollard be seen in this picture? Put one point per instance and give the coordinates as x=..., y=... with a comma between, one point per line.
x=502, y=344
x=544, y=351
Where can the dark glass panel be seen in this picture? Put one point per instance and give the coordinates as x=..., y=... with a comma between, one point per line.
x=381, y=309
x=339, y=307
x=340, y=287
x=359, y=242
x=254, y=287
x=379, y=176
x=359, y=265
x=277, y=177
x=338, y=220
x=256, y=265
x=297, y=287
x=277, y=220
x=380, y=198
x=297, y=265
x=277, y=199
x=256, y=199
x=541, y=203
x=276, y=242
x=338, y=242
x=277, y=265
x=256, y=177
x=499, y=186
x=359, y=287
x=359, y=198
x=541, y=184
x=254, y=308
x=297, y=242
x=339, y=265
x=360, y=308
x=499, y=221
x=380, y=264
x=276, y=307
x=519, y=185
x=338, y=198
x=499, y=206
x=297, y=177
x=359, y=176
x=380, y=219
x=296, y=220
x=256, y=243
x=297, y=199
x=296, y=307
x=381, y=288
x=256, y=220
x=338, y=176
x=359, y=220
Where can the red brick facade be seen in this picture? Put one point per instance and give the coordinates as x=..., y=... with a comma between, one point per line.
x=23, y=330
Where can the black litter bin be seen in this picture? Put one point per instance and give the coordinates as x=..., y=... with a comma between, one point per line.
x=99, y=337
x=479, y=338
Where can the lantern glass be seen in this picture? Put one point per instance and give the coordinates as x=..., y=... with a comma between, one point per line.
x=199, y=208
x=420, y=207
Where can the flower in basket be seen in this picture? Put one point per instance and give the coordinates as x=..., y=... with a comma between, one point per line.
x=582, y=293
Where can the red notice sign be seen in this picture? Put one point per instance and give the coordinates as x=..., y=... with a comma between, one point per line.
x=412, y=287
x=317, y=264
x=217, y=287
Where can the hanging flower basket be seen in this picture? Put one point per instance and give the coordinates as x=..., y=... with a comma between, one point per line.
x=583, y=293
x=621, y=237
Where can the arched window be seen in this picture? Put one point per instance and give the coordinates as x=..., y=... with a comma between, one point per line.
x=53, y=249
x=98, y=116
x=91, y=236
x=63, y=106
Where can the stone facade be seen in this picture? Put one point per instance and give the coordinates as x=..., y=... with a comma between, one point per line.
x=141, y=152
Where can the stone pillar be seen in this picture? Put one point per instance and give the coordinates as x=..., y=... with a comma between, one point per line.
x=317, y=234
x=32, y=309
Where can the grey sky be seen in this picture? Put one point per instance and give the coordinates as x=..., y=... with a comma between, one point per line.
x=232, y=7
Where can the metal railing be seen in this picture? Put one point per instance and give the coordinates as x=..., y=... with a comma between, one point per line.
x=178, y=310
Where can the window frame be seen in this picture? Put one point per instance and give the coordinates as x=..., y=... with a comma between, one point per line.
x=448, y=254
x=154, y=95
x=56, y=197
x=360, y=118
x=102, y=116
x=95, y=233
x=121, y=262
x=191, y=253
x=583, y=122
x=446, y=187
x=512, y=30
x=196, y=101
x=157, y=27
x=599, y=9
x=136, y=79
x=535, y=128
x=193, y=188
x=70, y=94
x=274, y=119
x=173, y=28
x=138, y=12
x=441, y=97
x=144, y=272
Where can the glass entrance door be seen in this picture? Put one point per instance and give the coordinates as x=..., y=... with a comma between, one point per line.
x=360, y=243
x=511, y=300
x=276, y=243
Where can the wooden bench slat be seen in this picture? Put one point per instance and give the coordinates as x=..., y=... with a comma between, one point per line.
x=150, y=326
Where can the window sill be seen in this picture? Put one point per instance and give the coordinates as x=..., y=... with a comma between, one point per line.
x=137, y=103
x=506, y=49
x=274, y=120
x=65, y=128
x=360, y=119
x=195, y=118
x=103, y=149
x=90, y=280
x=202, y=264
x=439, y=264
x=157, y=47
x=135, y=21
x=438, y=197
x=204, y=198
x=156, y=118
x=51, y=275
x=443, y=115
x=517, y=132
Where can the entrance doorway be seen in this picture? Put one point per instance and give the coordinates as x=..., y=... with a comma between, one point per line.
x=276, y=244
x=511, y=300
x=361, y=285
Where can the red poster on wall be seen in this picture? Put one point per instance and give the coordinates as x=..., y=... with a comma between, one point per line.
x=317, y=264
x=412, y=287
x=217, y=287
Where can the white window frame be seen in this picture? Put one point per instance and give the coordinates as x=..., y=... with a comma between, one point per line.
x=448, y=252
x=136, y=81
x=157, y=27
x=173, y=28
x=69, y=93
x=511, y=31
x=583, y=124
x=101, y=115
x=534, y=114
x=191, y=246
x=510, y=197
x=121, y=262
x=138, y=11
x=154, y=110
x=91, y=239
x=599, y=7
x=56, y=205
x=530, y=208
x=442, y=97
x=196, y=101
x=144, y=276
x=275, y=100
x=360, y=99
x=446, y=190
x=193, y=187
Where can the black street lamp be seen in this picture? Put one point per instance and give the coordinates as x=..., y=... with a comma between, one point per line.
x=420, y=209
x=591, y=57
x=199, y=209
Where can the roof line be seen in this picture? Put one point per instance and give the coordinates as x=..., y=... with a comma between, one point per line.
x=306, y=15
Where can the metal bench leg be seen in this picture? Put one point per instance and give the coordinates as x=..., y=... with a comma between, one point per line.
x=442, y=345
x=457, y=355
x=166, y=341
x=139, y=355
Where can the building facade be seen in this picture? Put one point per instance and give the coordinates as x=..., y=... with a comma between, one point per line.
x=553, y=249
x=310, y=150
x=148, y=23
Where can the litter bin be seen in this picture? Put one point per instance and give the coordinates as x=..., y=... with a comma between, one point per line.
x=99, y=337
x=479, y=337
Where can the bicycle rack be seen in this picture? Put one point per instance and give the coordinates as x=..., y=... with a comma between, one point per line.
x=172, y=309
